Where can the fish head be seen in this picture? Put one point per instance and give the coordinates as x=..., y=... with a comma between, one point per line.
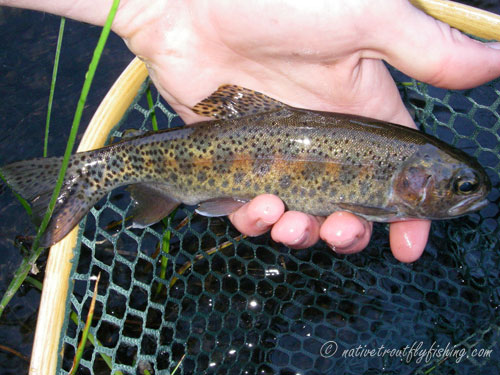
x=439, y=182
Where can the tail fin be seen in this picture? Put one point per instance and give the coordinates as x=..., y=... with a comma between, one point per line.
x=35, y=180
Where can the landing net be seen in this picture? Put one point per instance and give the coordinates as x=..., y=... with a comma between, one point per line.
x=193, y=286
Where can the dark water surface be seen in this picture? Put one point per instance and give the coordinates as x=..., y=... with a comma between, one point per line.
x=27, y=45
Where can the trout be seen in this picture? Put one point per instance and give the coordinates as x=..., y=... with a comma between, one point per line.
x=316, y=162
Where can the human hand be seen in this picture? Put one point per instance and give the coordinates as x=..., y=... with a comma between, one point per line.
x=323, y=55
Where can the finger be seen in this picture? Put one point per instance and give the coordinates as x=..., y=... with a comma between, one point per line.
x=296, y=230
x=346, y=233
x=408, y=239
x=259, y=215
x=433, y=52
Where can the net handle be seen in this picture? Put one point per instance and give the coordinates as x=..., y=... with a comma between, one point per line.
x=465, y=18
x=52, y=313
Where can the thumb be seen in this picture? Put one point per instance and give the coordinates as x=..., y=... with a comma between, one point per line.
x=433, y=52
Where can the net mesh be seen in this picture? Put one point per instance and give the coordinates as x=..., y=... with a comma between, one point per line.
x=193, y=286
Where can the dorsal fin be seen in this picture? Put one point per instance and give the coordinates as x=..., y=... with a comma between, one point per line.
x=231, y=101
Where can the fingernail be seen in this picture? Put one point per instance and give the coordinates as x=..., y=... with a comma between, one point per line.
x=262, y=224
x=494, y=45
x=302, y=239
x=346, y=243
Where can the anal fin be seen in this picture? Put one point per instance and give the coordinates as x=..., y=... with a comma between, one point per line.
x=220, y=206
x=151, y=203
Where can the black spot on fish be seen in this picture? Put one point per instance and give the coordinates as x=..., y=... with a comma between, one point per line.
x=202, y=176
x=173, y=177
x=364, y=187
x=375, y=200
x=285, y=181
x=261, y=167
x=238, y=177
x=221, y=162
x=333, y=192
x=313, y=171
x=325, y=185
x=347, y=174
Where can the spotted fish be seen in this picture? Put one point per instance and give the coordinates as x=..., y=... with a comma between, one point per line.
x=316, y=162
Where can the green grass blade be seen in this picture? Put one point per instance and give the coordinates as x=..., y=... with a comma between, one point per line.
x=53, y=86
x=151, y=106
x=166, y=249
x=37, y=284
x=19, y=277
x=85, y=333
x=27, y=263
x=94, y=341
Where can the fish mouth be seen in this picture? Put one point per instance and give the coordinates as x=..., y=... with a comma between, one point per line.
x=468, y=205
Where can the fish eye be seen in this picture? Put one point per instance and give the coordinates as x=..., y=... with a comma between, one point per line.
x=466, y=185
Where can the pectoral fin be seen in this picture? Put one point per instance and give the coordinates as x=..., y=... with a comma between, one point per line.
x=151, y=203
x=231, y=101
x=368, y=212
x=220, y=206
